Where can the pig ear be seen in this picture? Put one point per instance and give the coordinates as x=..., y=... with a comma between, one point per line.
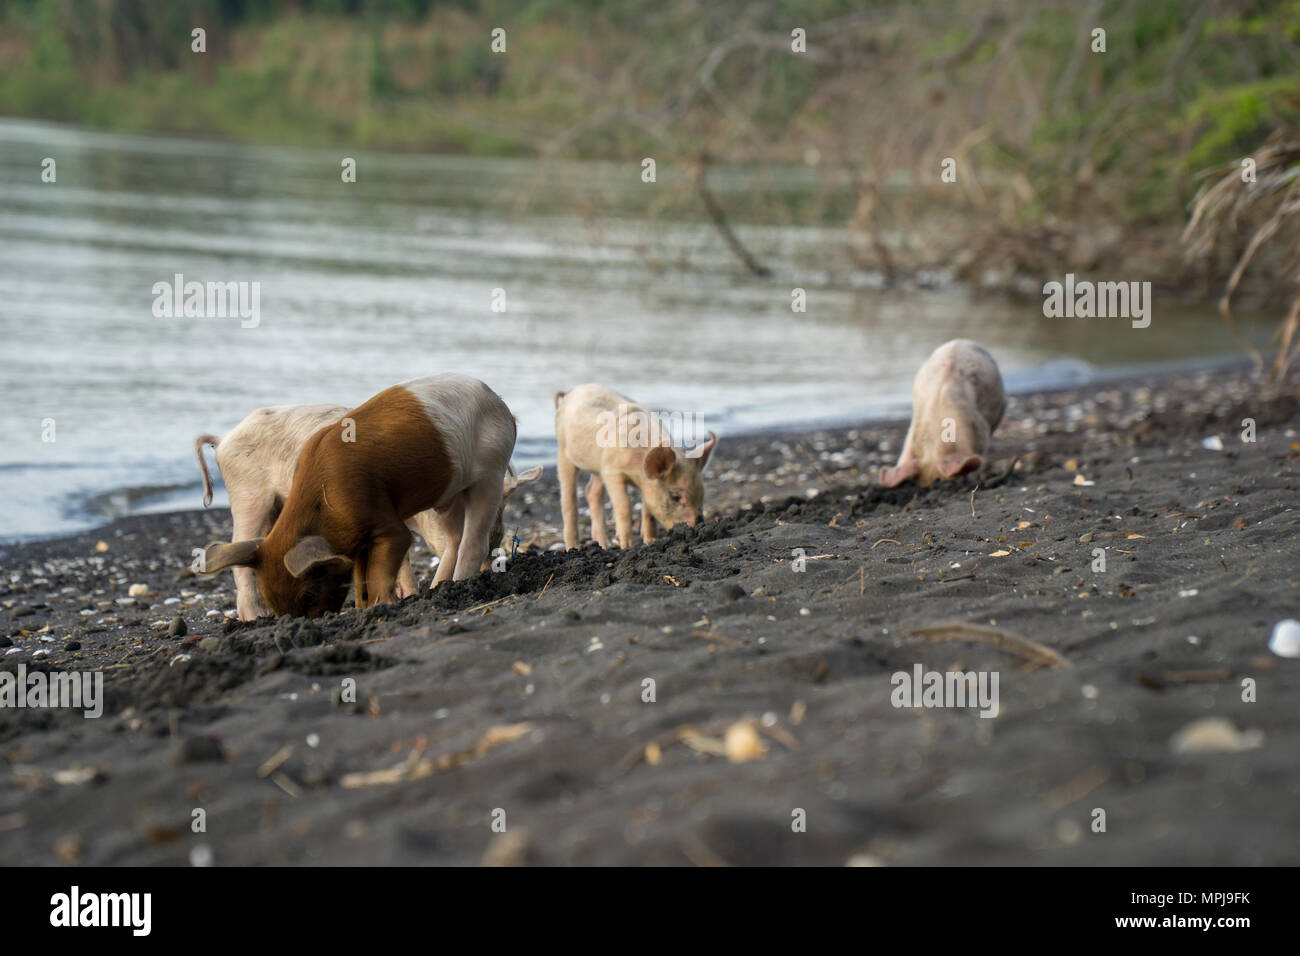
x=313, y=552
x=524, y=478
x=659, y=461
x=904, y=471
x=529, y=476
x=702, y=452
x=225, y=554
x=953, y=465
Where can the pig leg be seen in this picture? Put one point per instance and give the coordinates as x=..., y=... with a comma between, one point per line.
x=359, y=580
x=384, y=561
x=568, y=475
x=596, y=502
x=484, y=499
x=908, y=467
x=452, y=521
x=252, y=519
x=617, y=487
x=649, y=529
x=428, y=526
x=406, y=585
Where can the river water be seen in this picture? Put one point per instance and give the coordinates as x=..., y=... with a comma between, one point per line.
x=404, y=273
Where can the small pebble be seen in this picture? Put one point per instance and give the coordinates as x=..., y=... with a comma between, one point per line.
x=201, y=855
x=1285, y=641
x=178, y=627
x=138, y=590
x=743, y=743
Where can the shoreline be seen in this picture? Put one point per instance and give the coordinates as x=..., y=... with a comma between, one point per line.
x=874, y=415
x=525, y=690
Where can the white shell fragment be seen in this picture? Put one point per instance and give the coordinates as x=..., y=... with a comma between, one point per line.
x=1211, y=735
x=1285, y=641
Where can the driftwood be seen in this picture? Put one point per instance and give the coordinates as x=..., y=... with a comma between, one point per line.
x=1033, y=653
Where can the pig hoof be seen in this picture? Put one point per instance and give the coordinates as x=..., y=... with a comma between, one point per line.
x=955, y=465
x=893, y=477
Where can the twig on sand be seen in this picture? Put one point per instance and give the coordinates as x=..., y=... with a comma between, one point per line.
x=950, y=631
x=972, y=500
x=285, y=783
x=699, y=854
x=886, y=541
x=547, y=585
x=480, y=607
x=710, y=636
x=1243, y=577
x=994, y=482
x=275, y=761
x=955, y=577
x=1076, y=789
x=856, y=574
x=708, y=739
x=779, y=734
x=415, y=769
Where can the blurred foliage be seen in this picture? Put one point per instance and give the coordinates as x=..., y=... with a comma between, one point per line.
x=1042, y=127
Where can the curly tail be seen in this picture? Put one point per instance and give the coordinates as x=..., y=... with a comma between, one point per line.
x=199, y=442
x=558, y=396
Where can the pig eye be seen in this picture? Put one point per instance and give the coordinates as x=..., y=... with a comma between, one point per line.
x=678, y=498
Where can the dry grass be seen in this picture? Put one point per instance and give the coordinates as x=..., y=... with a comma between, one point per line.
x=1242, y=218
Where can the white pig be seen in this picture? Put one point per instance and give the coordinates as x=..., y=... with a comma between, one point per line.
x=257, y=459
x=620, y=443
x=957, y=402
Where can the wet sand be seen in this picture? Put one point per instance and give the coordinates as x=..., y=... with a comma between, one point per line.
x=519, y=695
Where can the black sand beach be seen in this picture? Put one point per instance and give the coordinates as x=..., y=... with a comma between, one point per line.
x=519, y=695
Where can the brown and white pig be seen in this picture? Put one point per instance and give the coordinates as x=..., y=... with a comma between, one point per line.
x=590, y=439
x=441, y=443
x=257, y=459
x=957, y=402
